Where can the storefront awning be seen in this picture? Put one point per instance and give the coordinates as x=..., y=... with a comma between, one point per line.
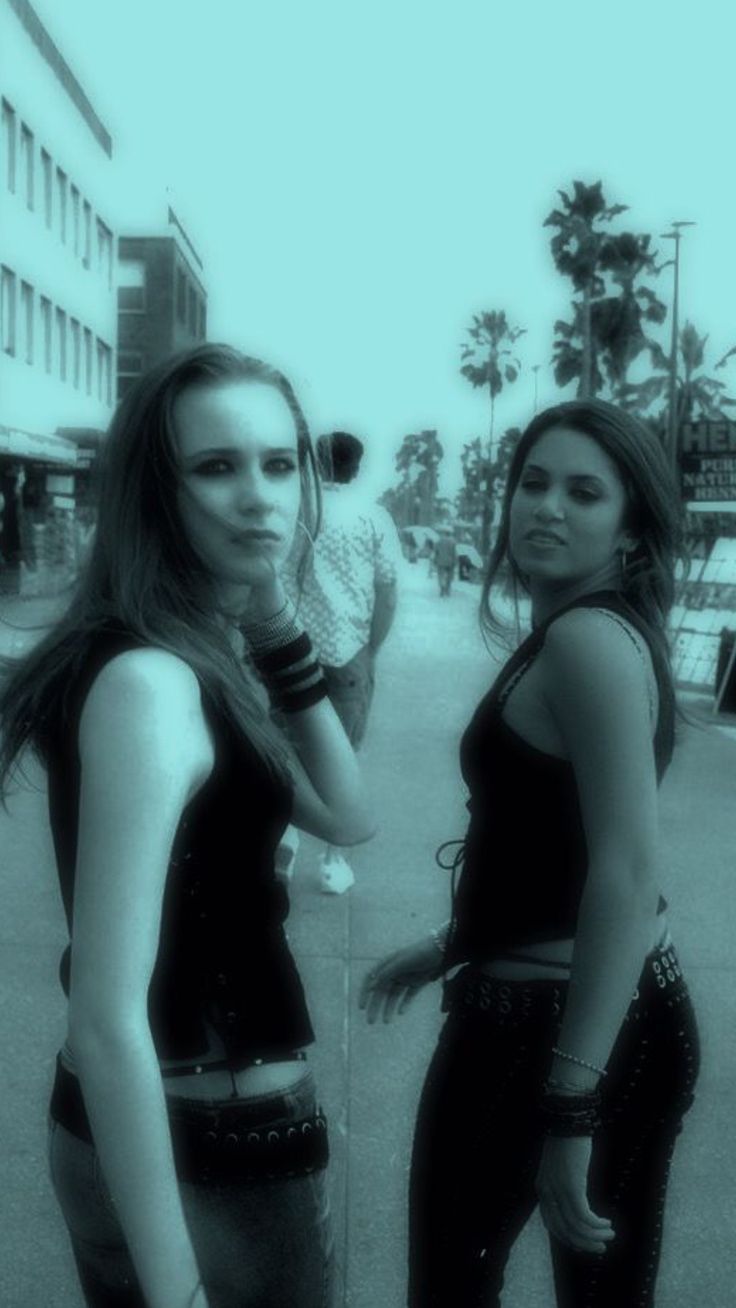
x=33, y=445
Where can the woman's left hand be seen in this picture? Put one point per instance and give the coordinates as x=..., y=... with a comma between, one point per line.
x=255, y=601
x=562, y=1189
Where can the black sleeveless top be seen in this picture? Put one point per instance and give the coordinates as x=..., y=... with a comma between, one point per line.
x=524, y=860
x=223, y=956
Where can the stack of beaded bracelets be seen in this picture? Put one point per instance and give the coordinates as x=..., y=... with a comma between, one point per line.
x=570, y=1114
x=283, y=655
x=574, y=1111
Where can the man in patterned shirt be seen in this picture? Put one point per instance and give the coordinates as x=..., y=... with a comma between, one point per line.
x=347, y=605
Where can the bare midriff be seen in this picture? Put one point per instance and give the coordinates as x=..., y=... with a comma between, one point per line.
x=204, y=1082
x=557, y=952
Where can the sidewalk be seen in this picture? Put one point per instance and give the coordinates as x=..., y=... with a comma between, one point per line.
x=23, y=621
x=429, y=679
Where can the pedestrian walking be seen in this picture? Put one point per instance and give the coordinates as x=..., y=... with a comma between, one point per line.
x=187, y=1147
x=347, y=602
x=445, y=558
x=570, y=1050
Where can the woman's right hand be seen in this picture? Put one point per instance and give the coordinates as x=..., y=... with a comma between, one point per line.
x=392, y=984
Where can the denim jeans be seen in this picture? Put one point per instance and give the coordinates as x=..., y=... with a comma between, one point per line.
x=350, y=688
x=259, y=1244
x=478, y=1140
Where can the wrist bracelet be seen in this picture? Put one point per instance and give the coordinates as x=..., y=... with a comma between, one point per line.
x=291, y=673
x=439, y=937
x=270, y=632
x=553, y=1085
x=570, y=1115
x=581, y=1062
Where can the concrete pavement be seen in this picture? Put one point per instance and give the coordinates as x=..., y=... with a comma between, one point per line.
x=430, y=676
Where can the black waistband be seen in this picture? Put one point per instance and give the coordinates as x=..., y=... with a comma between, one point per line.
x=223, y=1142
x=471, y=990
x=235, y=1064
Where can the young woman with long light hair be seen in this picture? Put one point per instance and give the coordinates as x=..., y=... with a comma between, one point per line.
x=187, y=1148
x=570, y=1050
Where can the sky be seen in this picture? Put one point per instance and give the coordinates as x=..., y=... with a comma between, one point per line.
x=360, y=179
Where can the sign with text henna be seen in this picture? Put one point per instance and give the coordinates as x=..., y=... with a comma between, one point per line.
x=708, y=461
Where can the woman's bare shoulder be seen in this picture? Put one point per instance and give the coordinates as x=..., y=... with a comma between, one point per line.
x=590, y=656
x=141, y=694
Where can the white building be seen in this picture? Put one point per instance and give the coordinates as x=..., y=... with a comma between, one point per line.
x=58, y=312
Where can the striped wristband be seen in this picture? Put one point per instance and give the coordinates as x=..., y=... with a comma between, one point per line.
x=287, y=666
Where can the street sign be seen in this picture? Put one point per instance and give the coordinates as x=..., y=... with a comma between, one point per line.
x=708, y=462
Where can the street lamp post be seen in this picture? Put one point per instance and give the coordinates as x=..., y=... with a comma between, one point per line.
x=676, y=236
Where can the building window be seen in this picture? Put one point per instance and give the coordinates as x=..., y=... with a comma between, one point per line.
x=104, y=251
x=7, y=310
x=76, y=335
x=104, y=372
x=131, y=286
x=76, y=218
x=61, y=342
x=48, y=354
x=47, y=171
x=130, y=366
x=61, y=187
x=193, y=307
x=9, y=143
x=27, y=163
x=87, y=234
x=26, y=322
x=181, y=295
x=88, y=360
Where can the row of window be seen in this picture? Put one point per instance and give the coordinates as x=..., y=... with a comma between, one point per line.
x=191, y=309
x=34, y=330
x=62, y=202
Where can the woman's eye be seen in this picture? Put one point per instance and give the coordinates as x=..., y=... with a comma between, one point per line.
x=213, y=467
x=532, y=485
x=280, y=466
x=585, y=495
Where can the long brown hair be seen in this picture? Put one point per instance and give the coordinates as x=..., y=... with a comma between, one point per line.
x=142, y=572
x=654, y=514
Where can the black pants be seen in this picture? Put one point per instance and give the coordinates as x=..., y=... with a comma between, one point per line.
x=478, y=1144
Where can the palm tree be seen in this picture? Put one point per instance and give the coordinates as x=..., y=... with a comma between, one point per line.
x=489, y=361
x=621, y=320
x=576, y=250
x=418, y=462
x=698, y=394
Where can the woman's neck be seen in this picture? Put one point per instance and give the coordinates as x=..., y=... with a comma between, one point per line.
x=547, y=599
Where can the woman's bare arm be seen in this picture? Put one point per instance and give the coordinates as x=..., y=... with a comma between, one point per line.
x=596, y=687
x=329, y=792
x=143, y=749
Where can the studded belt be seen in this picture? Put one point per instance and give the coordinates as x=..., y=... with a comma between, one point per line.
x=220, y=1143
x=218, y=1147
x=509, y=1002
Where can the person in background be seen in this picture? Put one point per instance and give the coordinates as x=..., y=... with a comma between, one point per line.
x=187, y=1148
x=570, y=1052
x=445, y=559
x=347, y=602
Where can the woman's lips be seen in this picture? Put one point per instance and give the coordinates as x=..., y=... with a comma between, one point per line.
x=542, y=538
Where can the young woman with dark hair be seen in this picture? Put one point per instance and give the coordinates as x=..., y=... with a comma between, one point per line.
x=187, y=1149
x=570, y=1050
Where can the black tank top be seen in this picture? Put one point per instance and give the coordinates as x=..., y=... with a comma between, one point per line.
x=524, y=860
x=223, y=956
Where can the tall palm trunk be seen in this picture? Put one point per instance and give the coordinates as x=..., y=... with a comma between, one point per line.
x=487, y=517
x=586, y=364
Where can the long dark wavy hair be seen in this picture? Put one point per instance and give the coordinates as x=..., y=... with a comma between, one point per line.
x=653, y=514
x=142, y=572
